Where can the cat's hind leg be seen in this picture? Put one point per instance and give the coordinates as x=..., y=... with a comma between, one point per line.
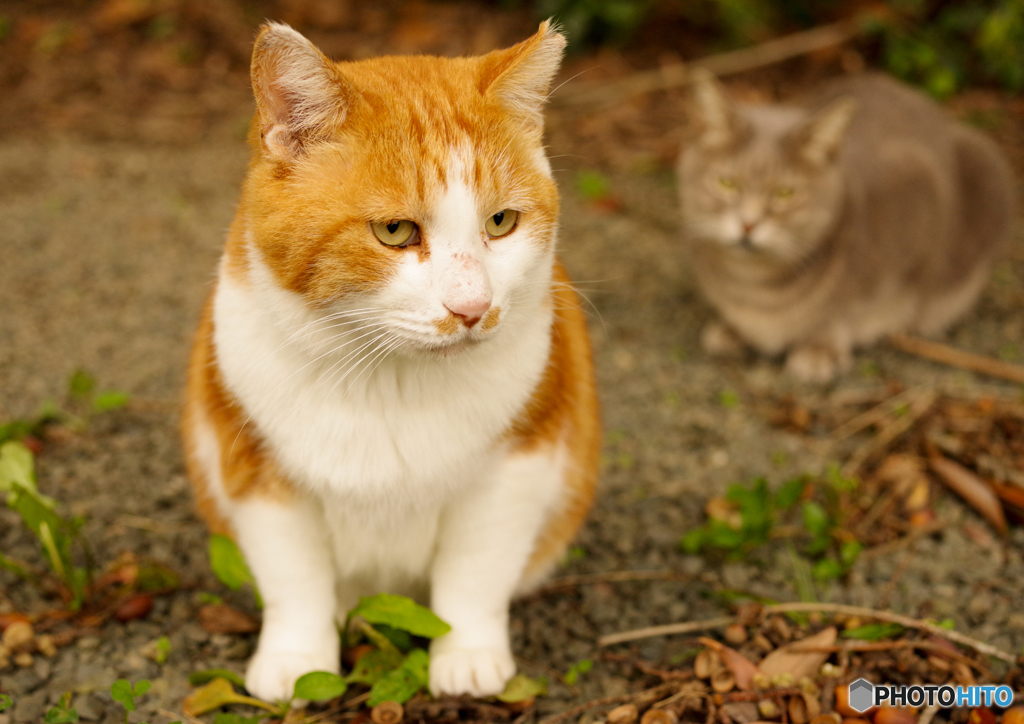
x=485, y=542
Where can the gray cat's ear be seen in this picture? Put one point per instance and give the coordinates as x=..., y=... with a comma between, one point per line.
x=819, y=140
x=720, y=125
x=519, y=77
x=300, y=94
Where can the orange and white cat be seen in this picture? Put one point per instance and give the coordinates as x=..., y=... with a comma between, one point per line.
x=391, y=386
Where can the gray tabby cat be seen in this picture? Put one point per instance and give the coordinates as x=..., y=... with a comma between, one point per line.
x=815, y=229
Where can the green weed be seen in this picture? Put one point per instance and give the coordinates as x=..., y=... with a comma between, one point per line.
x=809, y=513
x=577, y=670
x=59, y=537
x=61, y=712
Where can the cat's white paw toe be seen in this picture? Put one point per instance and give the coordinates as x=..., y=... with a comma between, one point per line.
x=271, y=675
x=477, y=672
x=814, y=363
x=720, y=341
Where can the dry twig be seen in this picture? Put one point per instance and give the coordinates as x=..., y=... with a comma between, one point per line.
x=736, y=61
x=916, y=409
x=906, y=621
x=665, y=630
x=954, y=357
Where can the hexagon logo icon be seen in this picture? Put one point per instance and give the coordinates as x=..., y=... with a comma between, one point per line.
x=862, y=695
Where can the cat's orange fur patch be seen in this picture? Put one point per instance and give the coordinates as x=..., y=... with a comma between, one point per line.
x=564, y=406
x=245, y=468
x=448, y=324
x=490, y=320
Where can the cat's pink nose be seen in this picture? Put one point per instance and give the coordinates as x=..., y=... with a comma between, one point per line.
x=470, y=310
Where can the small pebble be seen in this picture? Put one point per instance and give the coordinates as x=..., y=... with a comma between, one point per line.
x=736, y=634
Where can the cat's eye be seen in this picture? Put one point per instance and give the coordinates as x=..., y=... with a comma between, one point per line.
x=397, y=232
x=501, y=223
x=728, y=183
x=784, y=192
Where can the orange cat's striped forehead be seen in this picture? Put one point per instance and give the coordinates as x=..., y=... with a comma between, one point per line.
x=341, y=145
x=419, y=120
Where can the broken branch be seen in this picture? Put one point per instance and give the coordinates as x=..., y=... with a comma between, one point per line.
x=954, y=357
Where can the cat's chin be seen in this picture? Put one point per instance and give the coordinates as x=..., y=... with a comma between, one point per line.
x=442, y=350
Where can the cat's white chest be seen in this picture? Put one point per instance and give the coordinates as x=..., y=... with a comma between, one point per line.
x=404, y=435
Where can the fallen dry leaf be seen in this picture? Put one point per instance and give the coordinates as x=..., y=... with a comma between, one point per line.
x=743, y=670
x=134, y=607
x=971, y=488
x=799, y=663
x=220, y=618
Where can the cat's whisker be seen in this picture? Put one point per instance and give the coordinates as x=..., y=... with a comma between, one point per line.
x=281, y=383
x=364, y=361
x=339, y=364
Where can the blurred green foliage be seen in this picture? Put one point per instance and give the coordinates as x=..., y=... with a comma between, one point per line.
x=938, y=45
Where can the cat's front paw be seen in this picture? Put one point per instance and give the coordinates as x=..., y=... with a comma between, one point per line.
x=478, y=672
x=272, y=674
x=718, y=340
x=816, y=363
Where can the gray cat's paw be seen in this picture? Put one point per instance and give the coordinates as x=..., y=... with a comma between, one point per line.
x=816, y=363
x=720, y=341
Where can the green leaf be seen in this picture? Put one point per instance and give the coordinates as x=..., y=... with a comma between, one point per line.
x=16, y=467
x=81, y=384
x=121, y=691
x=402, y=683
x=849, y=552
x=693, y=541
x=372, y=665
x=110, y=400
x=216, y=694
x=755, y=510
x=319, y=686
x=401, y=613
x=401, y=639
x=163, y=650
x=827, y=569
x=142, y=687
x=61, y=715
x=722, y=535
x=198, y=678
x=789, y=493
x=817, y=523
x=522, y=688
x=5, y=702
x=224, y=717
x=874, y=631
x=228, y=563
x=573, y=674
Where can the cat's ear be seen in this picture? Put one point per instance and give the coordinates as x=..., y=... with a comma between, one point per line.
x=300, y=94
x=519, y=77
x=820, y=138
x=720, y=124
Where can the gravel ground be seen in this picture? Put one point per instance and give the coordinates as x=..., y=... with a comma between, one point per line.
x=107, y=253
